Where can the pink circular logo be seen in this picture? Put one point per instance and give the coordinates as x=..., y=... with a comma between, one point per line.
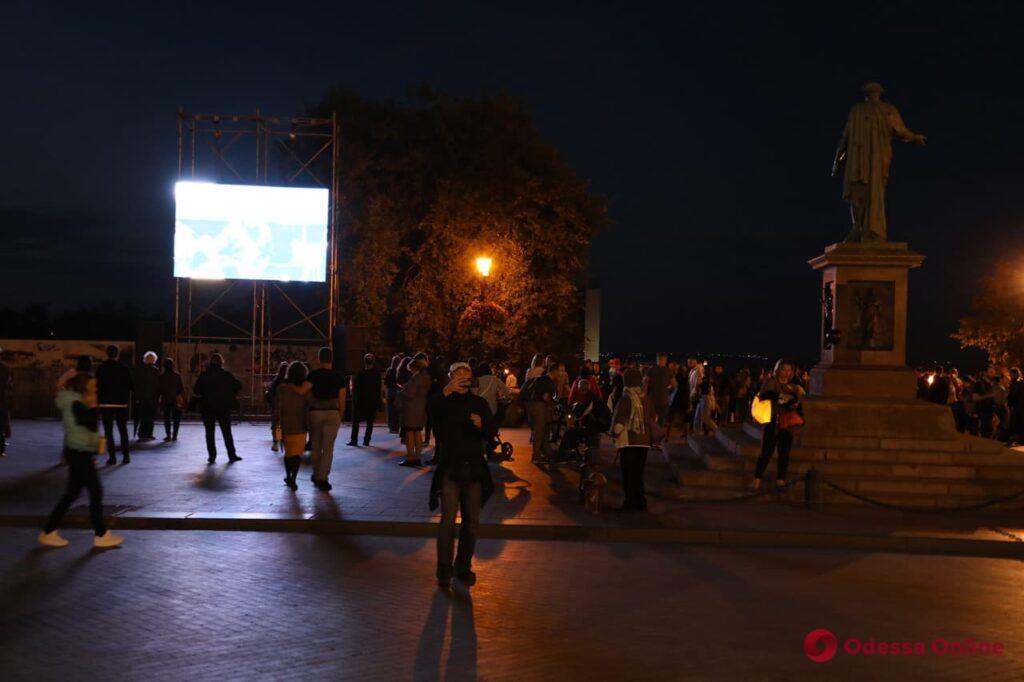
x=820, y=645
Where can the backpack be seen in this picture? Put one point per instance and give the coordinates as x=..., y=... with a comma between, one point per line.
x=532, y=391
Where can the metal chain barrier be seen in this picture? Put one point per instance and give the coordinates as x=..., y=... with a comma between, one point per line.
x=931, y=510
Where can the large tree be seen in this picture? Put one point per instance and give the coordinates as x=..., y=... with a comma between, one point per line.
x=996, y=324
x=430, y=183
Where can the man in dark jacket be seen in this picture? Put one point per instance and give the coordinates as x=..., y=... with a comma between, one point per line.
x=216, y=390
x=462, y=480
x=366, y=399
x=114, y=387
x=147, y=378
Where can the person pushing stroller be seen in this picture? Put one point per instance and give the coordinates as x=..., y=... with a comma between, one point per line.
x=587, y=419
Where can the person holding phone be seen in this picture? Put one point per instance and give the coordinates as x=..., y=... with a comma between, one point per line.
x=462, y=480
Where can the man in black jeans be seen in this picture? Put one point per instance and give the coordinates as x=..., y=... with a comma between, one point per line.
x=215, y=391
x=366, y=399
x=114, y=382
x=462, y=480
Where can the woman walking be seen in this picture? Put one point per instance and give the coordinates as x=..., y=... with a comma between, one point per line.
x=413, y=400
x=271, y=395
x=391, y=393
x=79, y=414
x=631, y=430
x=785, y=396
x=171, y=393
x=292, y=413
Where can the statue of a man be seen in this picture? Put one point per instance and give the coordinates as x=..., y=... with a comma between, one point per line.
x=865, y=150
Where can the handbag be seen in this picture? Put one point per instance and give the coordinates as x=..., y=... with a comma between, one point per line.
x=761, y=410
x=790, y=419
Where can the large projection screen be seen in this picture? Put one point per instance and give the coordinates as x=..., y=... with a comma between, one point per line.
x=250, y=232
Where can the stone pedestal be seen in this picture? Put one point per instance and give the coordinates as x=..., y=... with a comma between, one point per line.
x=862, y=386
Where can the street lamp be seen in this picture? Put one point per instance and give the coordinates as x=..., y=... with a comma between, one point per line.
x=483, y=265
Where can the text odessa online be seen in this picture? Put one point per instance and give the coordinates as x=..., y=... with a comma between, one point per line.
x=938, y=646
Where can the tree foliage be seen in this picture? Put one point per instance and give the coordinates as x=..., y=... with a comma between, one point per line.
x=996, y=324
x=429, y=184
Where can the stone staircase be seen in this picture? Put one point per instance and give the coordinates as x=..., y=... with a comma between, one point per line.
x=906, y=472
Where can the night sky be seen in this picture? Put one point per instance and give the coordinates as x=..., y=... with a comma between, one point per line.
x=710, y=128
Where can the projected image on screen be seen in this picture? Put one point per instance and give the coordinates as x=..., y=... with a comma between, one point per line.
x=250, y=232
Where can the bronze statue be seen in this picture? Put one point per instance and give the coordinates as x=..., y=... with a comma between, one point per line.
x=865, y=151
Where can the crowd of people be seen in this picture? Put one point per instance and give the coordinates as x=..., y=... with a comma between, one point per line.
x=567, y=405
x=989, y=404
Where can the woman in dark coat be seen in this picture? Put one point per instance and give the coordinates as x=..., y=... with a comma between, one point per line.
x=171, y=393
x=413, y=399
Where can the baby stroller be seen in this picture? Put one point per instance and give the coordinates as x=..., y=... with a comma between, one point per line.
x=499, y=450
x=585, y=422
x=560, y=412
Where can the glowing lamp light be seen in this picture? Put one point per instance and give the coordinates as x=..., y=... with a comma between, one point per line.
x=931, y=379
x=483, y=266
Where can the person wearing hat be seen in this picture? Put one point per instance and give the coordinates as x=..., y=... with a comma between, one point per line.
x=631, y=431
x=864, y=155
x=462, y=480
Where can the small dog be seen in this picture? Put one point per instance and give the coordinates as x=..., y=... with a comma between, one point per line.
x=593, y=492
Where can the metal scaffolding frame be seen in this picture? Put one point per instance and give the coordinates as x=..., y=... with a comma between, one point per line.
x=230, y=144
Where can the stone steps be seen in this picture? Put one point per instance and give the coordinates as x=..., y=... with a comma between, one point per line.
x=920, y=485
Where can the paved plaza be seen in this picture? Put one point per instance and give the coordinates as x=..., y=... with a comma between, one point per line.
x=247, y=606
x=170, y=485
x=318, y=604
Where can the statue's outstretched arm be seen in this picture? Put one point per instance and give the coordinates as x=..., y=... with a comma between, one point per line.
x=900, y=129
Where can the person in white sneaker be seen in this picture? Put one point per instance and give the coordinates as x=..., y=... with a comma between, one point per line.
x=77, y=405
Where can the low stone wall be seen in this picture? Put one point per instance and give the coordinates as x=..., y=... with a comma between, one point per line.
x=37, y=364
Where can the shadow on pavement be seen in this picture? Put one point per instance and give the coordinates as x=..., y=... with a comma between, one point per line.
x=462, y=652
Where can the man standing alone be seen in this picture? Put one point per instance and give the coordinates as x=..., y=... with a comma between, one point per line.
x=462, y=480
x=146, y=385
x=366, y=399
x=216, y=392
x=325, y=411
x=114, y=385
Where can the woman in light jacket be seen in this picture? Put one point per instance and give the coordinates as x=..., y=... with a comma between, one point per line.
x=631, y=429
